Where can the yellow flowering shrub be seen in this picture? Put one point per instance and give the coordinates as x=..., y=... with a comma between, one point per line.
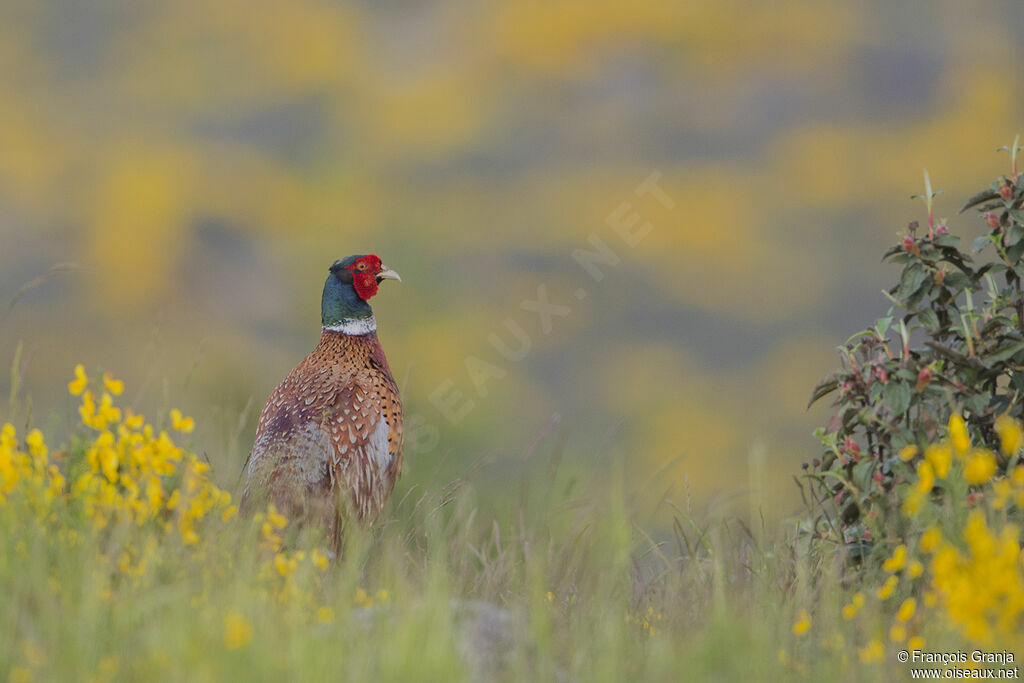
x=131, y=490
x=954, y=558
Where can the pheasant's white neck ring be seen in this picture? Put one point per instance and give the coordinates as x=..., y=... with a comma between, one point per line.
x=354, y=326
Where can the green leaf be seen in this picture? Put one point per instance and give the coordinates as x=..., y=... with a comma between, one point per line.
x=982, y=196
x=977, y=403
x=928, y=319
x=992, y=327
x=1005, y=352
x=957, y=358
x=882, y=326
x=897, y=396
x=861, y=475
x=947, y=240
x=1017, y=215
x=1014, y=234
x=980, y=243
x=824, y=388
x=1013, y=255
x=957, y=282
x=911, y=279
x=893, y=251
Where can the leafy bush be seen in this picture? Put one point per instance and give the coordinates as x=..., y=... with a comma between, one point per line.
x=951, y=346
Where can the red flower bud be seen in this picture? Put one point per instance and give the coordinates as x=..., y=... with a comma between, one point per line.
x=878, y=477
x=942, y=229
x=974, y=498
x=881, y=374
x=924, y=378
x=991, y=220
x=1006, y=191
x=867, y=535
x=851, y=447
x=908, y=243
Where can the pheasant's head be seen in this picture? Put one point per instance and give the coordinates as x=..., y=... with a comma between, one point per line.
x=351, y=284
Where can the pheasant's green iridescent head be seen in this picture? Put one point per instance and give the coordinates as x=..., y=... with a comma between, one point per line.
x=351, y=284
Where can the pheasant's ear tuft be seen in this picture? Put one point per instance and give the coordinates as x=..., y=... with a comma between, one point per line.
x=344, y=275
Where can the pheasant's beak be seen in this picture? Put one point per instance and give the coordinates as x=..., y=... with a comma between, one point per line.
x=387, y=274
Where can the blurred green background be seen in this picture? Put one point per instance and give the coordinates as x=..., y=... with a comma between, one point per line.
x=201, y=164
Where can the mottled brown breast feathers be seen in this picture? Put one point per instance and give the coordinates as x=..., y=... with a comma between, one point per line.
x=329, y=439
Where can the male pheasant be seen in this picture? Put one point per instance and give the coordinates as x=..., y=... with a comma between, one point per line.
x=329, y=440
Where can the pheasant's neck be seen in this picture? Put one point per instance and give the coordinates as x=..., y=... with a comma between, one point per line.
x=353, y=326
x=341, y=309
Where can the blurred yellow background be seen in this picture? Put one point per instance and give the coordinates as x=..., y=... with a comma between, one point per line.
x=202, y=163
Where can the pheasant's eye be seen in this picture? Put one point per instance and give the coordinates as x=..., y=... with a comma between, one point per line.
x=361, y=266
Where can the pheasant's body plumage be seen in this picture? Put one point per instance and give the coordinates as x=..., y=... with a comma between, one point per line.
x=329, y=440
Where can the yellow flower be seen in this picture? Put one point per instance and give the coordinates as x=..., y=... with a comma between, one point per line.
x=944, y=561
x=1002, y=489
x=898, y=633
x=88, y=408
x=1010, y=434
x=363, y=599
x=320, y=559
x=237, y=632
x=275, y=518
x=907, y=453
x=958, y=435
x=229, y=513
x=856, y=602
x=803, y=623
x=114, y=386
x=37, y=448
x=906, y=611
x=980, y=467
x=285, y=566
x=78, y=384
x=874, y=652
x=898, y=559
x=940, y=457
x=382, y=596
x=977, y=534
x=133, y=421
x=925, y=477
x=325, y=615
x=1018, y=475
x=915, y=569
x=886, y=591
x=185, y=425
x=913, y=502
x=915, y=643
x=930, y=539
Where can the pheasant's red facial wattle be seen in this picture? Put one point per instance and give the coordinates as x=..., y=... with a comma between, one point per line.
x=364, y=276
